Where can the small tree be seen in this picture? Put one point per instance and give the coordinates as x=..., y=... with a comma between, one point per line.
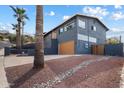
x=112, y=41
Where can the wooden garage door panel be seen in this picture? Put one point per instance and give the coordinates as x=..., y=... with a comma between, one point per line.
x=66, y=47
x=98, y=49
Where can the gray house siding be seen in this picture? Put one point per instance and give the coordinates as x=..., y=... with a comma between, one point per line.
x=48, y=41
x=68, y=35
x=99, y=34
x=72, y=34
x=53, y=49
x=50, y=45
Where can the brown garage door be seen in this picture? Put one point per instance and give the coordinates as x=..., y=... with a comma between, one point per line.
x=66, y=47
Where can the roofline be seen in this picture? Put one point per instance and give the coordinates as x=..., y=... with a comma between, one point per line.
x=76, y=16
x=94, y=18
x=60, y=24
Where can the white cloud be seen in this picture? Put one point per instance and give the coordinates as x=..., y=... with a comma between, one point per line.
x=118, y=6
x=66, y=17
x=51, y=13
x=118, y=16
x=97, y=11
x=115, y=29
x=7, y=27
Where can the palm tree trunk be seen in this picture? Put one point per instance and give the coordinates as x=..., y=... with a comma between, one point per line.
x=39, y=48
x=22, y=39
x=19, y=37
x=17, y=40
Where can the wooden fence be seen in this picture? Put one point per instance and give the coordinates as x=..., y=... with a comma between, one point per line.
x=97, y=49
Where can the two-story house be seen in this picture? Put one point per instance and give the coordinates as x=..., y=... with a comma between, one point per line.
x=75, y=35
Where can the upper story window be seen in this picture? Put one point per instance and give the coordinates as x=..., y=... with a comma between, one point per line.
x=67, y=27
x=93, y=28
x=54, y=35
x=82, y=24
x=61, y=30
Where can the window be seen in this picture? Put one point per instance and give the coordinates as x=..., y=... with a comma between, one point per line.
x=65, y=28
x=92, y=39
x=81, y=24
x=93, y=28
x=61, y=30
x=86, y=45
x=54, y=35
x=69, y=27
x=82, y=37
x=85, y=38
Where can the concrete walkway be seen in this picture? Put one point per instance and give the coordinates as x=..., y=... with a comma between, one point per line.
x=122, y=78
x=3, y=79
x=13, y=60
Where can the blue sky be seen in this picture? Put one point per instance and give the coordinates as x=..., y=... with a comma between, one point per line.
x=111, y=16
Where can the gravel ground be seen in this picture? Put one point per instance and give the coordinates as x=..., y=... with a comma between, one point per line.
x=105, y=73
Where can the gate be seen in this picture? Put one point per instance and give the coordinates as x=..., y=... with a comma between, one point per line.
x=97, y=49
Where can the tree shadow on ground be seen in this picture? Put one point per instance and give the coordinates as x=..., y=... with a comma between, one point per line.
x=24, y=77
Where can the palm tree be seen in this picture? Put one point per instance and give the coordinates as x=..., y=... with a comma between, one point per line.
x=23, y=24
x=15, y=27
x=22, y=41
x=20, y=16
x=39, y=48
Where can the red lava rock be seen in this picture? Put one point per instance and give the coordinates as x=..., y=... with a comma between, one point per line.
x=105, y=73
x=98, y=74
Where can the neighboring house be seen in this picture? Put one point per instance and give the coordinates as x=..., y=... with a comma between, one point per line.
x=75, y=36
x=4, y=44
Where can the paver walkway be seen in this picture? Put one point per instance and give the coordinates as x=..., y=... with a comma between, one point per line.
x=3, y=79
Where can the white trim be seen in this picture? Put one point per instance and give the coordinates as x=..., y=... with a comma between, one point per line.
x=85, y=38
x=82, y=37
x=81, y=23
x=92, y=39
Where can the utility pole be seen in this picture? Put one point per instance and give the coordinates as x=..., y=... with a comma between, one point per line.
x=120, y=39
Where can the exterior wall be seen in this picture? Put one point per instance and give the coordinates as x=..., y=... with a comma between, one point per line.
x=81, y=47
x=72, y=34
x=68, y=35
x=99, y=34
x=50, y=45
x=53, y=49
x=48, y=41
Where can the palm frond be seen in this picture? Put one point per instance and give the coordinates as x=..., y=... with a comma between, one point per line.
x=15, y=15
x=26, y=17
x=15, y=26
x=13, y=8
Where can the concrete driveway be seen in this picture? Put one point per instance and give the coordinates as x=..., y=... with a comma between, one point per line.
x=14, y=60
x=3, y=79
